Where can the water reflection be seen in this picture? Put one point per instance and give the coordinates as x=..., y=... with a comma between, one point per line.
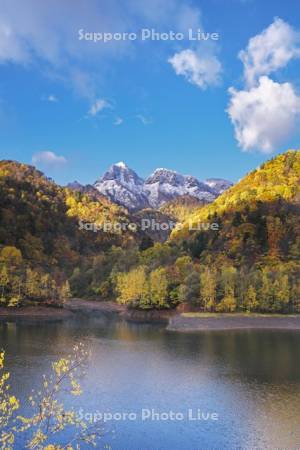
x=250, y=378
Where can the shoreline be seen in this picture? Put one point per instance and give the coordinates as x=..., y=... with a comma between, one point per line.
x=193, y=322
x=92, y=306
x=47, y=313
x=173, y=320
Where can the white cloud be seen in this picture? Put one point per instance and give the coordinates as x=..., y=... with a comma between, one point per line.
x=47, y=158
x=177, y=15
x=199, y=70
x=118, y=121
x=44, y=34
x=99, y=105
x=145, y=120
x=264, y=115
x=50, y=98
x=270, y=50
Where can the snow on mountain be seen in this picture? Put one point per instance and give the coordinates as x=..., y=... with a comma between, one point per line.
x=219, y=185
x=123, y=186
x=165, y=185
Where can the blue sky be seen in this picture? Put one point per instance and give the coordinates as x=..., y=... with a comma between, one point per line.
x=75, y=107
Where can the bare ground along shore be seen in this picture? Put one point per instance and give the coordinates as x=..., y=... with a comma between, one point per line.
x=35, y=313
x=69, y=310
x=90, y=306
x=174, y=321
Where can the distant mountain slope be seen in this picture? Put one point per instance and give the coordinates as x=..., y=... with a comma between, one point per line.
x=182, y=207
x=87, y=189
x=218, y=184
x=124, y=187
x=165, y=185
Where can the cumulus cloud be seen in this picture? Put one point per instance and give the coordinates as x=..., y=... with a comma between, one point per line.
x=265, y=112
x=48, y=158
x=202, y=71
x=198, y=64
x=264, y=115
x=270, y=50
x=99, y=105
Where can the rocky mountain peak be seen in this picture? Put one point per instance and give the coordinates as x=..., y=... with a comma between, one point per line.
x=124, y=187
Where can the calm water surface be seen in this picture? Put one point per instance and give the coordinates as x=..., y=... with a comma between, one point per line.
x=251, y=379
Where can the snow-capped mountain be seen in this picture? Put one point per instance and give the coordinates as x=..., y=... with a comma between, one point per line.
x=124, y=187
x=218, y=184
x=165, y=185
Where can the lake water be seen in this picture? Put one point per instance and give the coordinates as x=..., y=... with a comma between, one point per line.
x=250, y=380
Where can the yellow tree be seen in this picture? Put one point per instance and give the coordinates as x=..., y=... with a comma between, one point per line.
x=50, y=416
x=158, y=284
x=65, y=292
x=4, y=280
x=8, y=406
x=133, y=287
x=208, y=288
x=251, y=299
x=228, y=278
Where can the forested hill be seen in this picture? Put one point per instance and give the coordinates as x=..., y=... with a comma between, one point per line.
x=277, y=179
x=251, y=263
x=40, y=235
x=41, y=218
x=258, y=218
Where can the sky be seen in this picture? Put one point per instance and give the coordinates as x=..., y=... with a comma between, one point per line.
x=216, y=106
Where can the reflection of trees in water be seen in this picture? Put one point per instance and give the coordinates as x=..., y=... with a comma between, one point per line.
x=254, y=372
x=268, y=356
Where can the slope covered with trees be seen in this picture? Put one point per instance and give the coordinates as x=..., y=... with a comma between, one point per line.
x=251, y=262
x=41, y=239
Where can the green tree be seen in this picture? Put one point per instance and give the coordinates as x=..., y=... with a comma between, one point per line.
x=190, y=288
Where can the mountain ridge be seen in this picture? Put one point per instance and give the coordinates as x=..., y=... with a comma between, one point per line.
x=125, y=187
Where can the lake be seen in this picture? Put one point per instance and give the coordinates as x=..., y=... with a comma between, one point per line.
x=227, y=390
